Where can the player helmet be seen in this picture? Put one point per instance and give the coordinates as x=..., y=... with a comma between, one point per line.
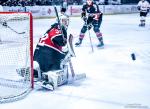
x=89, y=2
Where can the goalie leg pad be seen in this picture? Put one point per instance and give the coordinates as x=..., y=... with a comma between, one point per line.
x=56, y=78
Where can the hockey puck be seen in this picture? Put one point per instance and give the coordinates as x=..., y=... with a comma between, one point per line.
x=133, y=56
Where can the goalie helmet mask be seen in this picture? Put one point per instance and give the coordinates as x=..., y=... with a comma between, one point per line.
x=63, y=10
x=64, y=20
x=89, y=2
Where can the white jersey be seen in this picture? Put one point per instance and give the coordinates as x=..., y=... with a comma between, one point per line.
x=1, y=8
x=144, y=5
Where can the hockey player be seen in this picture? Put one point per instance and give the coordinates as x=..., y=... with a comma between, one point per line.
x=94, y=19
x=48, y=53
x=49, y=46
x=143, y=7
x=49, y=57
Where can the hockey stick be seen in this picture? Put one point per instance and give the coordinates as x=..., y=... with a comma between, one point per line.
x=71, y=51
x=89, y=36
x=15, y=30
x=71, y=68
x=90, y=41
x=74, y=76
x=7, y=26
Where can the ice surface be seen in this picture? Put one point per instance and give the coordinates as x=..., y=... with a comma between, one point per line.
x=114, y=80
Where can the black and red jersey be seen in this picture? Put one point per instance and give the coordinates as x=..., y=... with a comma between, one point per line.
x=54, y=37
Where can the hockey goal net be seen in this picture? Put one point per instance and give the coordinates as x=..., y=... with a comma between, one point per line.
x=16, y=52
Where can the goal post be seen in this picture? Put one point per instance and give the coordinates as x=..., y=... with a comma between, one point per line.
x=16, y=52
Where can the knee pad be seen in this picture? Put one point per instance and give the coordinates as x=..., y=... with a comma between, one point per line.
x=96, y=29
x=84, y=29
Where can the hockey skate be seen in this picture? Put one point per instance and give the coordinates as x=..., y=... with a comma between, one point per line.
x=78, y=43
x=101, y=43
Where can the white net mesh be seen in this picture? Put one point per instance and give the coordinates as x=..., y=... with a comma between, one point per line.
x=15, y=53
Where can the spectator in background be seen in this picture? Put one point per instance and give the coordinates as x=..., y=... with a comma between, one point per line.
x=23, y=3
x=106, y=2
x=143, y=7
x=1, y=7
x=65, y=4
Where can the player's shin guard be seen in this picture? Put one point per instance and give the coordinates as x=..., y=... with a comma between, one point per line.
x=100, y=38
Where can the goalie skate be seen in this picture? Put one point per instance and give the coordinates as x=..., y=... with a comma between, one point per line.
x=45, y=85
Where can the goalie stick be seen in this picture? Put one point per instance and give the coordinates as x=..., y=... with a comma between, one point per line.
x=74, y=76
x=71, y=51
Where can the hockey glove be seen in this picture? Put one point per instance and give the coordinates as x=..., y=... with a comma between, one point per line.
x=89, y=26
x=83, y=14
x=4, y=24
x=138, y=8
